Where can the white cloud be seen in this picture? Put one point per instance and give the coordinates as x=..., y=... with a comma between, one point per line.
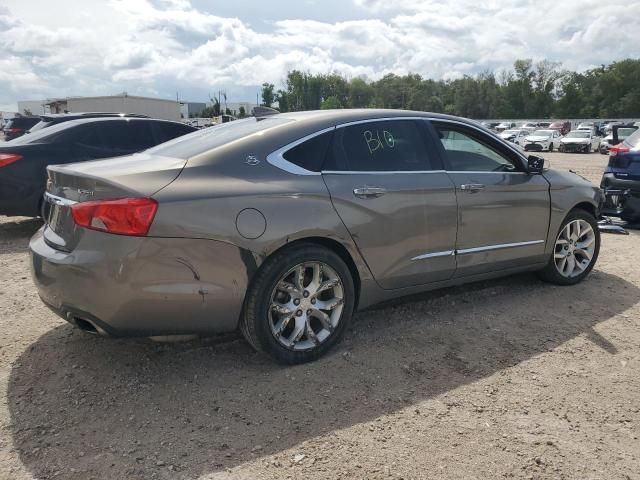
x=160, y=46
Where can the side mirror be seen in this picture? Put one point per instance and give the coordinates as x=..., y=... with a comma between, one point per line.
x=535, y=164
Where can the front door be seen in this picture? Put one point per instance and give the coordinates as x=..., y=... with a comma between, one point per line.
x=388, y=187
x=503, y=211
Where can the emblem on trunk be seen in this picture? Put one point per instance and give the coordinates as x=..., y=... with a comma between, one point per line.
x=88, y=193
x=251, y=160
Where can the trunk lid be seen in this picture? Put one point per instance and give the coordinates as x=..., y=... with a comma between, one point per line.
x=139, y=175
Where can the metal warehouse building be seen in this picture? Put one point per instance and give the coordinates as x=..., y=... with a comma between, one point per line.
x=122, y=103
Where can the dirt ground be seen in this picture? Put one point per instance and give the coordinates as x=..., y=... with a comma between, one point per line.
x=511, y=378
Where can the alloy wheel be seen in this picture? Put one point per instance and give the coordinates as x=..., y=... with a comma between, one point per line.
x=574, y=248
x=306, y=306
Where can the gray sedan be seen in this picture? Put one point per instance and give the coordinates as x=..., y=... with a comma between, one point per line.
x=282, y=226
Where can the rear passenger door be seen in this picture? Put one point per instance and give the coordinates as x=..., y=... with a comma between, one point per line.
x=388, y=187
x=503, y=211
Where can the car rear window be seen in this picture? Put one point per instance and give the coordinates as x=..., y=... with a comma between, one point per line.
x=202, y=141
x=22, y=122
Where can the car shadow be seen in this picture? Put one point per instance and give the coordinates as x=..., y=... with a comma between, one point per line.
x=15, y=233
x=117, y=408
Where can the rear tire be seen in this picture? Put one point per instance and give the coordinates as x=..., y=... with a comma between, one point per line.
x=561, y=148
x=575, y=251
x=297, y=318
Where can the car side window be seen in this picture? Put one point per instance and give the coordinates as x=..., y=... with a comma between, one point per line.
x=87, y=136
x=380, y=146
x=127, y=135
x=310, y=154
x=166, y=131
x=466, y=151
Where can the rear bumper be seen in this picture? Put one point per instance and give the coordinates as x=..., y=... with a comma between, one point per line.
x=141, y=286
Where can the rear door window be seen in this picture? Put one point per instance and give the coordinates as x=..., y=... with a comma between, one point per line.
x=381, y=146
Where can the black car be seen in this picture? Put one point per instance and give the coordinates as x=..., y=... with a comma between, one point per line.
x=621, y=179
x=56, y=118
x=18, y=126
x=24, y=161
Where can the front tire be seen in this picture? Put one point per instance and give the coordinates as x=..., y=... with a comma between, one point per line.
x=575, y=250
x=551, y=147
x=299, y=304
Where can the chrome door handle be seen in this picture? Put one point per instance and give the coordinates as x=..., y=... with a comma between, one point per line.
x=369, y=192
x=472, y=187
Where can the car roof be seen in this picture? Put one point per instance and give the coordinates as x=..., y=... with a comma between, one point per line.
x=327, y=118
x=57, y=116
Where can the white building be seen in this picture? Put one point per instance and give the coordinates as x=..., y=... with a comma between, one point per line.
x=36, y=107
x=122, y=103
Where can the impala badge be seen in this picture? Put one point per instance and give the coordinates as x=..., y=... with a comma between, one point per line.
x=88, y=193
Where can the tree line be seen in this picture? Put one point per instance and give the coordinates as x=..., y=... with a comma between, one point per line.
x=529, y=90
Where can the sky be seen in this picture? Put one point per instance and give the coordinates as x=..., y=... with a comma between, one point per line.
x=194, y=48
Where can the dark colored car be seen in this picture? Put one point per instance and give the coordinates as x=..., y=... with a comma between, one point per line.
x=23, y=162
x=18, y=126
x=562, y=127
x=57, y=118
x=283, y=226
x=621, y=179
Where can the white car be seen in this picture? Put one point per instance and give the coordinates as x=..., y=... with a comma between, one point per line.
x=607, y=142
x=515, y=135
x=530, y=126
x=542, y=140
x=504, y=126
x=580, y=140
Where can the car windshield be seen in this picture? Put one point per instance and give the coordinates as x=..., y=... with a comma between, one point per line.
x=542, y=133
x=39, y=126
x=625, y=132
x=202, y=141
x=578, y=134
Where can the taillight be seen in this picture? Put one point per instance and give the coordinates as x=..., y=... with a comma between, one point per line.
x=8, y=158
x=124, y=216
x=13, y=130
x=616, y=149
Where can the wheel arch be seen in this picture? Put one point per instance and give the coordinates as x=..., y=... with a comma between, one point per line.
x=331, y=244
x=587, y=206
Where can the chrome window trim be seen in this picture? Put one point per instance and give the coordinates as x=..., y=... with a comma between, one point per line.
x=376, y=172
x=445, y=253
x=58, y=200
x=499, y=246
x=276, y=158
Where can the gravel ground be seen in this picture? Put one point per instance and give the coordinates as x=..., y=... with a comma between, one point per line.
x=511, y=378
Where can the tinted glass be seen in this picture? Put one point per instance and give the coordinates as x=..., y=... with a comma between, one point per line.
x=393, y=145
x=466, y=151
x=310, y=155
x=166, y=131
x=126, y=135
x=85, y=136
x=204, y=140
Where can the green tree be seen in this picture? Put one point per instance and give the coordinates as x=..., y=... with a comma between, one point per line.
x=241, y=112
x=267, y=94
